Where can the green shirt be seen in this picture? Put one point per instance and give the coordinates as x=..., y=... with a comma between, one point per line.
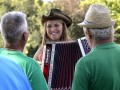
x=99, y=70
x=30, y=67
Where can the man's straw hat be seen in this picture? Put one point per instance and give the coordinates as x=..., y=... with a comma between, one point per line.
x=97, y=16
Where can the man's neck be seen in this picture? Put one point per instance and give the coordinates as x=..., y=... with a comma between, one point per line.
x=13, y=47
x=101, y=42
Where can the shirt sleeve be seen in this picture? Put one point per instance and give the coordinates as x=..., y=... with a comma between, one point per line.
x=36, y=77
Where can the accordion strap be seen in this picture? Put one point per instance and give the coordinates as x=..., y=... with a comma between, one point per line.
x=51, y=66
x=81, y=46
x=43, y=57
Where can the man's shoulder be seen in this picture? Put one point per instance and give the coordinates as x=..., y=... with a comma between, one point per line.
x=17, y=56
x=2, y=49
x=88, y=57
x=26, y=58
x=30, y=60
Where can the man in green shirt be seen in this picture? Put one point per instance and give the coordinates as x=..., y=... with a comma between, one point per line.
x=99, y=69
x=14, y=30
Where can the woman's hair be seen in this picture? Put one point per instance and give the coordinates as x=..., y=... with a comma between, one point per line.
x=64, y=37
x=102, y=34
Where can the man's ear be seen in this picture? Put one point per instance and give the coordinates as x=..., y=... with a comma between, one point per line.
x=89, y=34
x=25, y=36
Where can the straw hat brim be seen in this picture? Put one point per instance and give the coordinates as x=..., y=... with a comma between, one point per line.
x=95, y=25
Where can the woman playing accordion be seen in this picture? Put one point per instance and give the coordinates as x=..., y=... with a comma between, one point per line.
x=59, y=61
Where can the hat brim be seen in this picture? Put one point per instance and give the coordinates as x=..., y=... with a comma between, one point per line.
x=45, y=18
x=94, y=25
x=65, y=18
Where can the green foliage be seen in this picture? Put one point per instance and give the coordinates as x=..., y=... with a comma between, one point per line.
x=33, y=10
x=76, y=9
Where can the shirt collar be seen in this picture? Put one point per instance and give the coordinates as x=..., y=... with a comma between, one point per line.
x=106, y=45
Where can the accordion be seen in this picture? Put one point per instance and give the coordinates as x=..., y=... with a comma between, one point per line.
x=58, y=62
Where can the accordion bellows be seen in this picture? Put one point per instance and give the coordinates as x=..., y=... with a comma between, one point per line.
x=59, y=61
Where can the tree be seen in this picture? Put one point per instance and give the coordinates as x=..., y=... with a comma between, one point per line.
x=31, y=8
x=76, y=9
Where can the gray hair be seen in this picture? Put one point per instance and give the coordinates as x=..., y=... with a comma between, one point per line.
x=102, y=34
x=13, y=24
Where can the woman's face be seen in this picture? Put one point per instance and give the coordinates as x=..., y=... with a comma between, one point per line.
x=54, y=29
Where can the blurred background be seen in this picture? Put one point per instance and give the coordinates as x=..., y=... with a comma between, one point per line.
x=76, y=9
